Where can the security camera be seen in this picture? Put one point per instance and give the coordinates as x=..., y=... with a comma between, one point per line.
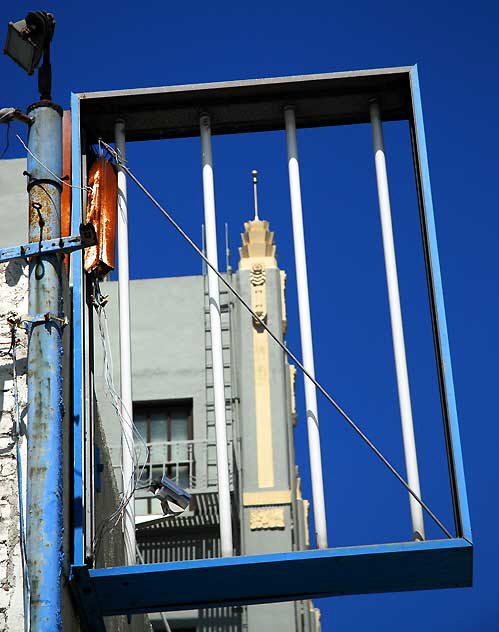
x=174, y=499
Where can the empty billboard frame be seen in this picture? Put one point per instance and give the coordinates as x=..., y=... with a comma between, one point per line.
x=237, y=107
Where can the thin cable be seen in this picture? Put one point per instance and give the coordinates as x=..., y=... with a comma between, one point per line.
x=111, y=521
x=276, y=339
x=22, y=536
x=114, y=395
x=60, y=180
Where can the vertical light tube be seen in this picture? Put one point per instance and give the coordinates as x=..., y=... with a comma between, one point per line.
x=127, y=445
x=411, y=461
x=314, y=441
x=216, y=339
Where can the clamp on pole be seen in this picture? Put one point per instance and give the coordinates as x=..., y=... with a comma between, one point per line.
x=61, y=245
x=29, y=322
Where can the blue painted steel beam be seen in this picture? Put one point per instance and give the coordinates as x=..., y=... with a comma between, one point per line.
x=61, y=245
x=272, y=578
x=439, y=320
x=76, y=268
x=287, y=576
x=86, y=601
x=45, y=397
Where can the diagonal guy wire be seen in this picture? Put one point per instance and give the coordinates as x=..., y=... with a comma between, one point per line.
x=343, y=413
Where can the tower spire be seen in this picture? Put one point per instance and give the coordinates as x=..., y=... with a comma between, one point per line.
x=258, y=241
x=254, y=174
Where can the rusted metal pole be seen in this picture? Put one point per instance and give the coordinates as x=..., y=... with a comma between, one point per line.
x=45, y=403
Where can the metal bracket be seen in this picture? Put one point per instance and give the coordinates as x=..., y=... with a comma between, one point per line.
x=29, y=322
x=87, y=601
x=99, y=468
x=62, y=245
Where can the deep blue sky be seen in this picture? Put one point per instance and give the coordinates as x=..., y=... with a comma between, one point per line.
x=127, y=45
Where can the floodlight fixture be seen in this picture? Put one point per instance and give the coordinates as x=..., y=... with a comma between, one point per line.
x=13, y=114
x=174, y=499
x=27, y=41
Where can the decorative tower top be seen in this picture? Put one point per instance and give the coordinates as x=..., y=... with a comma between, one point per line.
x=258, y=241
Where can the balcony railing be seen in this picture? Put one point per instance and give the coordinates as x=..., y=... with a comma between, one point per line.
x=191, y=464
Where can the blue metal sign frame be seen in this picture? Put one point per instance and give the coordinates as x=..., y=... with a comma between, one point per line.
x=439, y=320
x=270, y=578
x=77, y=340
x=296, y=575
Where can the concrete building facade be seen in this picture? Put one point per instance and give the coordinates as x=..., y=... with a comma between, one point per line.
x=14, y=460
x=174, y=413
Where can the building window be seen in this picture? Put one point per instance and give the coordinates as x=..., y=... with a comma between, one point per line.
x=166, y=427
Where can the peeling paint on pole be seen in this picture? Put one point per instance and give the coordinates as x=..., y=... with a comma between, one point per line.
x=45, y=403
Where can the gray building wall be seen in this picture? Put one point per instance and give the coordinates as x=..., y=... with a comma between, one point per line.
x=14, y=302
x=171, y=360
x=168, y=346
x=13, y=203
x=171, y=355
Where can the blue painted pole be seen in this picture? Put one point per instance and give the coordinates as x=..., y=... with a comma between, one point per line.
x=45, y=404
